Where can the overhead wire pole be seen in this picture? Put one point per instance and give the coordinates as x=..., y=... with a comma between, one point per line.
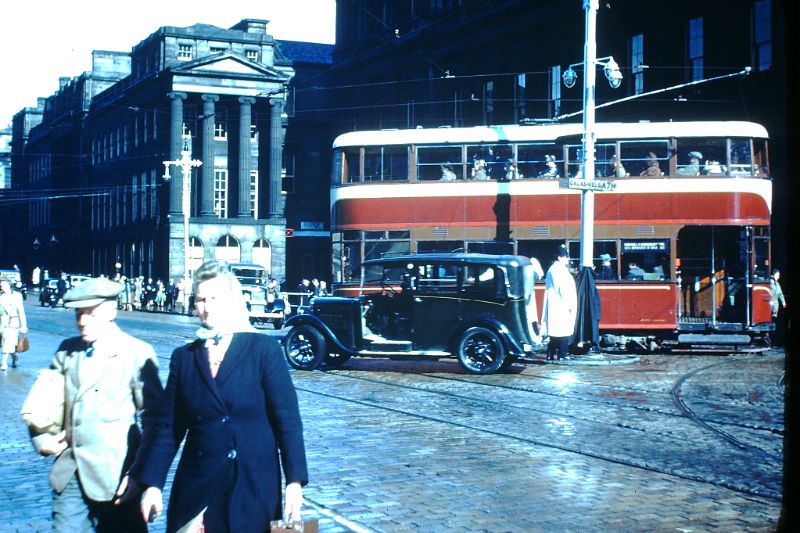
x=186, y=163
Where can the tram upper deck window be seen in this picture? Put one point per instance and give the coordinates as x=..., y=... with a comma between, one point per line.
x=605, y=163
x=440, y=163
x=351, y=165
x=648, y=158
x=539, y=161
x=699, y=156
x=336, y=167
x=489, y=161
x=760, y=161
x=386, y=163
x=645, y=259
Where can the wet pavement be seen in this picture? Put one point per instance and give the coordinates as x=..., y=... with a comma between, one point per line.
x=606, y=443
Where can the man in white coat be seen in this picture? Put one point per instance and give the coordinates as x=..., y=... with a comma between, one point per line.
x=560, y=306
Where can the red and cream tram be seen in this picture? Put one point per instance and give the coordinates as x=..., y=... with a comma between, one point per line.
x=682, y=242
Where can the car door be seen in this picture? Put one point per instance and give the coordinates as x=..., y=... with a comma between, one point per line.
x=436, y=306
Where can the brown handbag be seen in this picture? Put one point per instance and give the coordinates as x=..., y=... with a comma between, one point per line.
x=294, y=526
x=23, y=344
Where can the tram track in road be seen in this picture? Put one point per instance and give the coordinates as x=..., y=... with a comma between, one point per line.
x=610, y=397
x=708, y=424
x=652, y=452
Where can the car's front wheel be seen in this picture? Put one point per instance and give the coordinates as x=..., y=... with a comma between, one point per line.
x=481, y=351
x=305, y=347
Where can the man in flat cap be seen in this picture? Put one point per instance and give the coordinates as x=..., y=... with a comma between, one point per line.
x=110, y=379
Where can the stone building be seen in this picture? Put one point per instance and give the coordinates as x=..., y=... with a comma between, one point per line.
x=225, y=90
x=104, y=136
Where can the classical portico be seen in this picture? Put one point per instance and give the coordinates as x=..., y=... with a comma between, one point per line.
x=233, y=109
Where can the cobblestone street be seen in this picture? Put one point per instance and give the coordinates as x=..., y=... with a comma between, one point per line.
x=665, y=443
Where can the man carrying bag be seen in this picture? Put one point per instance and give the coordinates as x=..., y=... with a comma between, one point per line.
x=110, y=380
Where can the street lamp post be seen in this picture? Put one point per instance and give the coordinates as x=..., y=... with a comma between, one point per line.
x=614, y=76
x=589, y=302
x=186, y=163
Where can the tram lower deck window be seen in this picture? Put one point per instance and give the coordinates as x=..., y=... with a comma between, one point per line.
x=645, y=260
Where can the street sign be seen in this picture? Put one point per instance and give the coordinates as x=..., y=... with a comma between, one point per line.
x=587, y=185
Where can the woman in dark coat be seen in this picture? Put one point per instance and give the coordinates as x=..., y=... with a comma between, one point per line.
x=233, y=399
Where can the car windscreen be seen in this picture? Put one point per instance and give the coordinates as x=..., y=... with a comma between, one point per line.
x=250, y=276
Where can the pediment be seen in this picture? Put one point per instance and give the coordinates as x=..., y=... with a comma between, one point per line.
x=227, y=63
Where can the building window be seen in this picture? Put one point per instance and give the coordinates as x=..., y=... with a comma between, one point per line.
x=762, y=35
x=555, y=91
x=488, y=108
x=637, y=63
x=262, y=254
x=228, y=249
x=221, y=192
x=135, y=197
x=254, y=193
x=252, y=55
x=196, y=254
x=185, y=52
x=696, y=49
x=220, y=132
x=218, y=49
x=253, y=133
x=520, y=93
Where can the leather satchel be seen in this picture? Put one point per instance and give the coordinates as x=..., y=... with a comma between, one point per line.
x=23, y=344
x=294, y=526
x=43, y=408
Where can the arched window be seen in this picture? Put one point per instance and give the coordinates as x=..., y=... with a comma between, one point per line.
x=262, y=254
x=228, y=249
x=196, y=253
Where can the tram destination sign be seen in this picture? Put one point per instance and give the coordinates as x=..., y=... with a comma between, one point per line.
x=587, y=185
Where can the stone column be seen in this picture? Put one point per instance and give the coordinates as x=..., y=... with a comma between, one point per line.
x=275, y=158
x=175, y=147
x=245, y=103
x=207, y=156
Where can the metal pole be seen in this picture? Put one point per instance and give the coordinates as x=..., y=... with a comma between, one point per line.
x=589, y=71
x=187, y=175
x=186, y=163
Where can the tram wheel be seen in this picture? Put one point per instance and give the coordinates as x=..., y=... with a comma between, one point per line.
x=305, y=347
x=481, y=351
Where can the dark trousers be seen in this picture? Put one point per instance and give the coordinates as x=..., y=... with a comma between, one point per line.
x=559, y=346
x=74, y=512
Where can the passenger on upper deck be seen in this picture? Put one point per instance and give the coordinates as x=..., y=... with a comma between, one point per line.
x=552, y=169
x=713, y=167
x=652, y=169
x=617, y=169
x=693, y=168
x=479, y=170
x=447, y=172
x=511, y=170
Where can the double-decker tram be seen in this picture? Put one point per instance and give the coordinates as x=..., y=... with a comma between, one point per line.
x=682, y=242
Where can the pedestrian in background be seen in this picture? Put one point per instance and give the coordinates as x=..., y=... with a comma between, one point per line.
x=229, y=392
x=110, y=378
x=560, y=306
x=776, y=299
x=13, y=322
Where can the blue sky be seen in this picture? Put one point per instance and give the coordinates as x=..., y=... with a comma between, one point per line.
x=41, y=40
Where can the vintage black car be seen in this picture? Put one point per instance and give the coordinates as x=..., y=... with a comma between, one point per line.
x=474, y=307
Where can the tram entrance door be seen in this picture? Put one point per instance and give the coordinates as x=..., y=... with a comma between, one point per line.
x=713, y=270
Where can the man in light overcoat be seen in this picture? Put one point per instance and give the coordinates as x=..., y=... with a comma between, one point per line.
x=111, y=391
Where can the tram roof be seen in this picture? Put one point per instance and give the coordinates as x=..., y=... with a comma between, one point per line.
x=551, y=132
